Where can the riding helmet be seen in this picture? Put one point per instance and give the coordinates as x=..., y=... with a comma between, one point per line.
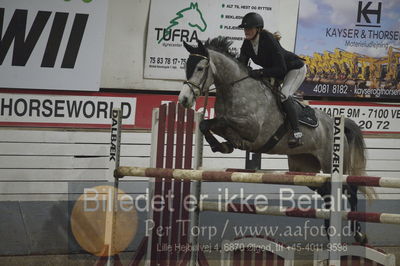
x=252, y=20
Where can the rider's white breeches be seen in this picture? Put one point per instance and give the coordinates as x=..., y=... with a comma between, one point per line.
x=292, y=81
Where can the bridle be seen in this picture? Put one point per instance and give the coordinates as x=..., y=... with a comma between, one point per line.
x=198, y=89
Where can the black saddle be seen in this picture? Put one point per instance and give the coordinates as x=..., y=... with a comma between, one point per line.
x=306, y=114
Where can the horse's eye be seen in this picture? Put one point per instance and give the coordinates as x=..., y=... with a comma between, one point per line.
x=200, y=68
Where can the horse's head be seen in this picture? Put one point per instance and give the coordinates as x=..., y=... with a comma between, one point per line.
x=199, y=76
x=190, y=16
x=195, y=17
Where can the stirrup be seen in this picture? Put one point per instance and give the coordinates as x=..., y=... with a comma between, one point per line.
x=298, y=135
x=295, y=140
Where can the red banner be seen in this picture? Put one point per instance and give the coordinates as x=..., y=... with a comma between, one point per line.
x=93, y=110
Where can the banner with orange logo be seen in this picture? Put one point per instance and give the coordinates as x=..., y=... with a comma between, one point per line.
x=352, y=48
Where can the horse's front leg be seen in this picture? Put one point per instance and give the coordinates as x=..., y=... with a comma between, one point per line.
x=218, y=126
x=242, y=132
x=237, y=141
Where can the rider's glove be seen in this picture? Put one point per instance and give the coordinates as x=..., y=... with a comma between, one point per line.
x=256, y=73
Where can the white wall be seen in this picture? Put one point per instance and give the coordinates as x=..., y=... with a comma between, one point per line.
x=40, y=170
x=41, y=164
x=125, y=44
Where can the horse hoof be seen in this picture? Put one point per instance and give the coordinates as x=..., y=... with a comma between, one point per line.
x=361, y=238
x=226, y=147
x=216, y=148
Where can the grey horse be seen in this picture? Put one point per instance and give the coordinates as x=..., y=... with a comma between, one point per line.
x=247, y=114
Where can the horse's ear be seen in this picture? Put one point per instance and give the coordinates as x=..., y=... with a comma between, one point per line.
x=201, y=48
x=188, y=47
x=200, y=44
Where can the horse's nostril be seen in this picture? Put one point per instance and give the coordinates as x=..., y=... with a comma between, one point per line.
x=184, y=101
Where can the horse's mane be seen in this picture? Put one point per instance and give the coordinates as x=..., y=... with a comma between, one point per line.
x=222, y=45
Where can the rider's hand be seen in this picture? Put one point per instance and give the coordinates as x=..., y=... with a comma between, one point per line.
x=256, y=73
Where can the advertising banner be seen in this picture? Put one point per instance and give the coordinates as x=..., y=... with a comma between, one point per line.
x=63, y=109
x=372, y=118
x=174, y=21
x=94, y=110
x=352, y=48
x=52, y=44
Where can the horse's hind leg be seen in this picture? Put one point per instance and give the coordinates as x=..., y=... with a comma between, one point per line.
x=351, y=192
x=303, y=163
x=309, y=163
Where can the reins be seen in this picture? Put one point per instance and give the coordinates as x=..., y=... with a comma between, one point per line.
x=203, y=80
x=239, y=80
x=200, y=86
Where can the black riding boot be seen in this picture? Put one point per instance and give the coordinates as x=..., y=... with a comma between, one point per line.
x=291, y=112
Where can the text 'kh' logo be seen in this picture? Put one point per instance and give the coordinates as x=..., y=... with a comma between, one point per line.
x=365, y=12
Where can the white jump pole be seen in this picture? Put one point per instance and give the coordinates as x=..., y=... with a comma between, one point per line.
x=336, y=191
x=115, y=153
x=153, y=155
x=196, y=187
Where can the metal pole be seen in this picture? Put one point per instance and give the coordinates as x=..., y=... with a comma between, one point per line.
x=111, y=214
x=336, y=191
x=253, y=161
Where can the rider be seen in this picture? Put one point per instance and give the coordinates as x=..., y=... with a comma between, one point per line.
x=264, y=49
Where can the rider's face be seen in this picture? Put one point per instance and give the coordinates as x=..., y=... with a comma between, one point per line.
x=250, y=33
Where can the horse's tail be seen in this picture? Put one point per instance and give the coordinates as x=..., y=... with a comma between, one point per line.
x=357, y=157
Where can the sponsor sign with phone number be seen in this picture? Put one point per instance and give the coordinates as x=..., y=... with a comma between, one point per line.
x=93, y=110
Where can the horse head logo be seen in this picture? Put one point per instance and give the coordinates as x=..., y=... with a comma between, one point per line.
x=191, y=16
